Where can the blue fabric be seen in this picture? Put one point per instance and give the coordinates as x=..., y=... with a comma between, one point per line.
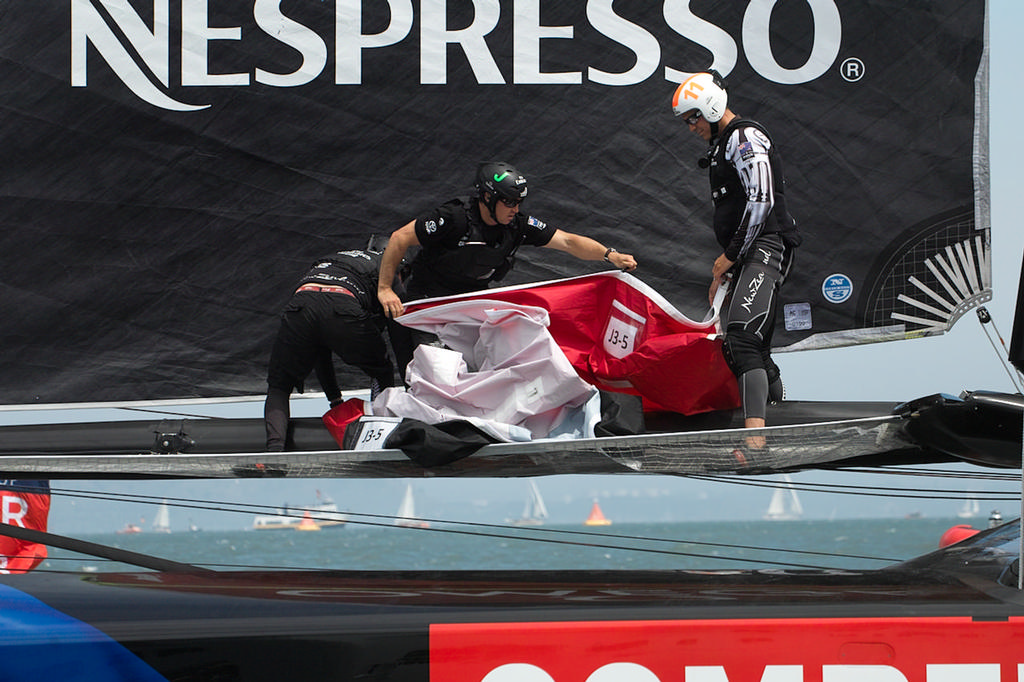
x=38, y=642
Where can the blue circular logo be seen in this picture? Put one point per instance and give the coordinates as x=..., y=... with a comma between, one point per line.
x=837, y=288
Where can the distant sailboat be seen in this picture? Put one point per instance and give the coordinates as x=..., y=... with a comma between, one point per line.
x=162, y=521
x=534, y=512
x=970, y=509
x=784, y=505
x=406, y=516
x=597, y=517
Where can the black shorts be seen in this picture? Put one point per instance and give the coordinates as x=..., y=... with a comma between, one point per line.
x=313, y=321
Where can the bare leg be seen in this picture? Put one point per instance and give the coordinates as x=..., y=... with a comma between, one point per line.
x=754, y=441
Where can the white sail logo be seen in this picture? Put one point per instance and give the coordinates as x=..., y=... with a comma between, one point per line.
x=144, y=64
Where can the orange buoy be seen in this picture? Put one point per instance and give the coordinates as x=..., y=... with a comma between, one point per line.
x=596, y=518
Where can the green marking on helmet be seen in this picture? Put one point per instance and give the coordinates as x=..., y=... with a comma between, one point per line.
x=499, y=178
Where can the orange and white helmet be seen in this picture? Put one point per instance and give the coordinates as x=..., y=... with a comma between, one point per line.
x=704, y=92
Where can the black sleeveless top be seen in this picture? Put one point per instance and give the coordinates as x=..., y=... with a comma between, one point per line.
x=461, y=253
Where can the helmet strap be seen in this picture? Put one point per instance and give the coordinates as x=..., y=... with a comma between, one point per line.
x=491, y=204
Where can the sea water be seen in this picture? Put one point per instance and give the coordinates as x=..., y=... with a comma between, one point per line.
x=849, y=543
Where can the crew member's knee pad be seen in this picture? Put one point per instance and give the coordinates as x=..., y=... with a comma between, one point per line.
x=742, y=351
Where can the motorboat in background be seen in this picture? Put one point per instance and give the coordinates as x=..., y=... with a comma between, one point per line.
x=324, y=513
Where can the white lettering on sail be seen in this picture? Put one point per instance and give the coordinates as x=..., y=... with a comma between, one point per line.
x=149, y=79
x=293, y=34
x=196, y=34
x=688, y=25
x=435, y=38
x=14, y=510
x=527, y=34
x=644, y=45
x=351, y=41
x=153, y=46
x=828, y=31
x=88, y=26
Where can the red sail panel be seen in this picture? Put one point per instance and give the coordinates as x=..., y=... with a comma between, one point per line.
x=621, y=335
x=25, y=504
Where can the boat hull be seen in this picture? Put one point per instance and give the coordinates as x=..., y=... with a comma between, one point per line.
x=981, y=427
x=800, y=435
x=455, y=627
x=295, y=525
x=914, y=617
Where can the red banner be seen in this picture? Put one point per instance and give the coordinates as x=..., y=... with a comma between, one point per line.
x=781, y=650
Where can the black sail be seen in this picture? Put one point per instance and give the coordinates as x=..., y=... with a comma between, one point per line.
x=168, y=176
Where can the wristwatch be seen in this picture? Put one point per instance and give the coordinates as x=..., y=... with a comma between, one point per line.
x=607, y=253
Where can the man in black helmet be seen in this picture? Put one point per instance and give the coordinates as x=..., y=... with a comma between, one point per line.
x=469, y=242
x=755, y=230
x=334, y=310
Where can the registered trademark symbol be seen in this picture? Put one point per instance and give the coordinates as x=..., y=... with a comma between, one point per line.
x=852, y=70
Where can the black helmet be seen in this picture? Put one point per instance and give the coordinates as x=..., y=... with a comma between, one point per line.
x=501, y=181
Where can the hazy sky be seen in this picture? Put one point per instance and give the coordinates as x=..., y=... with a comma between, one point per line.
x=962, y=359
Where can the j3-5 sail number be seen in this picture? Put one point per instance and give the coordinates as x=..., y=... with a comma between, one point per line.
x=374, y=435
x=619, y=339
x=375, y=432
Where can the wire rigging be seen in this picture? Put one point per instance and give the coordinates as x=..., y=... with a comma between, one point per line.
x=985, y=318
x=550, y=535
x=386, y=520
x=873, y=491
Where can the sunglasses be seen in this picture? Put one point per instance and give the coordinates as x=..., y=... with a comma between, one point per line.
x=511, y=203
x=692, y=120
